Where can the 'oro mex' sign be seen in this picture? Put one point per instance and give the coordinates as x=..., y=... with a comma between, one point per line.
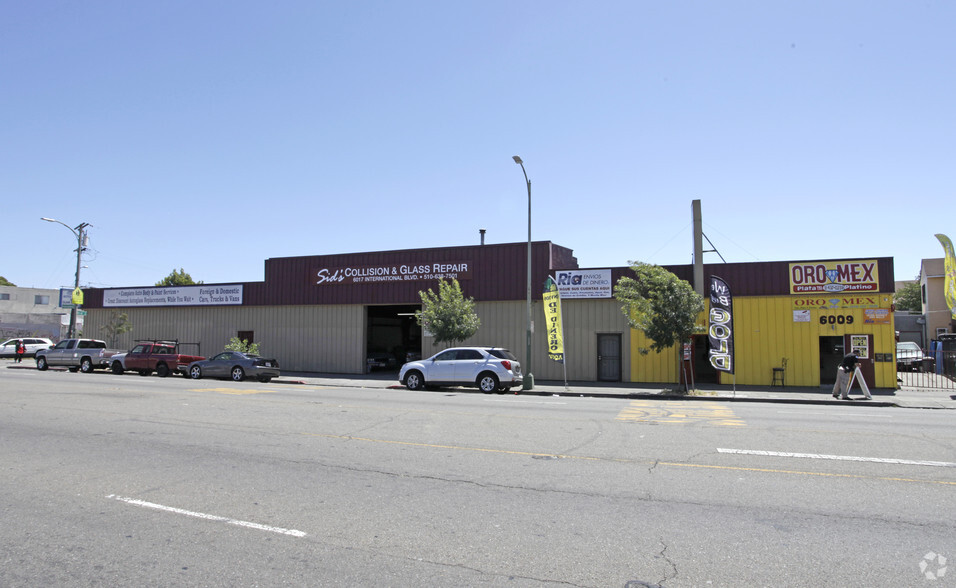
x=834, y=276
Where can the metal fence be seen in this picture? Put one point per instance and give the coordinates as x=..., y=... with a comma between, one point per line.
x=937, y=370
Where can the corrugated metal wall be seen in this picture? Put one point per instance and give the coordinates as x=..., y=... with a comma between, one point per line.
x=652, y=367
x=504, y=324
x=765, y=333
x=332, y=338
x=302, y=338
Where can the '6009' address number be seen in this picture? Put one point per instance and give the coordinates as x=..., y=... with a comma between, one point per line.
x=836, y=319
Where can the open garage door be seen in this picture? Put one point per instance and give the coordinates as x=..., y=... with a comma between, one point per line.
x=392, y=337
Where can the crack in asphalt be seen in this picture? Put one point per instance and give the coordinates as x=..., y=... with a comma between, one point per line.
x=485, y=573
x=588, y=441
x=663, y=555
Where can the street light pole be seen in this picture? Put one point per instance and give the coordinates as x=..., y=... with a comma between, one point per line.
x=80, y=233
x=528, y=382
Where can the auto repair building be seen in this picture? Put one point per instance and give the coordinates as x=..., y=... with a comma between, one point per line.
x=329, y=313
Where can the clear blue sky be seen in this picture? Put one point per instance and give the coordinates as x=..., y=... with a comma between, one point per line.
x=214, y=135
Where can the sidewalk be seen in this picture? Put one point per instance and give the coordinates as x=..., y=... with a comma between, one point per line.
x=904, y=398
x=928, y=398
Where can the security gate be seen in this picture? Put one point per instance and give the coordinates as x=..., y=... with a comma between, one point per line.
x=609, y=357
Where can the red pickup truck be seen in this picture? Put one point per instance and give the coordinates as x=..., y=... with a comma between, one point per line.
x=162, y=357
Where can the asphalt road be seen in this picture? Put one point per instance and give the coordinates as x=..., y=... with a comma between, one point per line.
x=124, y=480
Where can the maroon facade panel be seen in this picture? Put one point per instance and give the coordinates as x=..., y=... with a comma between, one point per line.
x=485, y=272
x=765, y=278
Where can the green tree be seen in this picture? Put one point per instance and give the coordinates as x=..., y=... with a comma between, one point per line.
x=448, y=315
x=242, y=346
x=909, y=297
x=117, y=325
x=661, y=305
x=177, y=278
x=6, y=282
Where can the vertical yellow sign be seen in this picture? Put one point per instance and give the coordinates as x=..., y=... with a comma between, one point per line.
x=552, y=318
x=949, y=286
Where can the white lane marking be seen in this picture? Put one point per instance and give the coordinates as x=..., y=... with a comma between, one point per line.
x=207, y=517
x=516, y=401
x=938, y=464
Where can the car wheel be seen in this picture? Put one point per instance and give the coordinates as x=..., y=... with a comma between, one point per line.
x=264, y=379
x=117, y=368
x=237, y=374
x=86, y=365
x=41, y=364
x=195, y=372
x=162, y=370
x=414, y=381
x=488, y=383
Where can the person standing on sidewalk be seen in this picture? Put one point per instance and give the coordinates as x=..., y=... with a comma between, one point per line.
x=841, y=389
x=21, y=350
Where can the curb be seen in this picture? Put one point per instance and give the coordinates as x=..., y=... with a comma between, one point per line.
x=592, y=393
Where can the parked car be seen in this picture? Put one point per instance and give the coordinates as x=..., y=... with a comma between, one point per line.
x=235, y=365
x=491, y=369
x=83, y=355
x=33, y=344
x=380, y=360
x=909, y=357
x=118, y=363
x=150, y=355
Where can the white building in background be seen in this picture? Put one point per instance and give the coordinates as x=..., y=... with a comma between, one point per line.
x=33, y=312
x=937, y=318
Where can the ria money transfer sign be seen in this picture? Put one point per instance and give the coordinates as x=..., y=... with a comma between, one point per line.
x=584, y=283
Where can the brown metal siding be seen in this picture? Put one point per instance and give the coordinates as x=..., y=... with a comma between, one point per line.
x=762, y=278
x=302, y=338
x=497, y=273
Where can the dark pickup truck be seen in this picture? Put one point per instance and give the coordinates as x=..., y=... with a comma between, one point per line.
x=162, y=357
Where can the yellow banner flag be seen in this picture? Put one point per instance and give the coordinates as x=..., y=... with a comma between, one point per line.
x=949, y=286
x=552, y=318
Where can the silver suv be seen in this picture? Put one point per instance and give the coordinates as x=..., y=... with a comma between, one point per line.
x=491, y=369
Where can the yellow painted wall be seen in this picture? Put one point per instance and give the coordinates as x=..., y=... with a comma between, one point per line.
x=765, y=332
x=652, y=367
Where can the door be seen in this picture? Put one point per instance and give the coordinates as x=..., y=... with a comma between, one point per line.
x=862, y=346
x=704, y=371
x=468, y=364
x=219, y=366
x=442, y=368
x=136, y=358
x=609, y=357
x=61, y=353
x=831, y=354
